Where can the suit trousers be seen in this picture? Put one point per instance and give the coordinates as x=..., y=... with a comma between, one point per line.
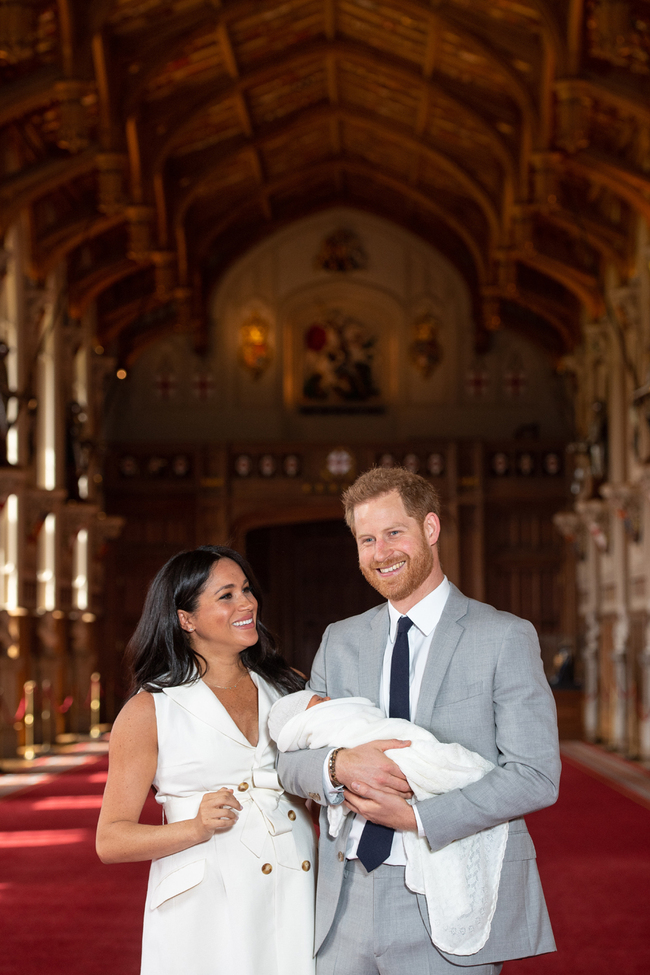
x=378, y=930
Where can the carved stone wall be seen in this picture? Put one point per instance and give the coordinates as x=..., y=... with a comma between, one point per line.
x=403, y=324
x=610, y=464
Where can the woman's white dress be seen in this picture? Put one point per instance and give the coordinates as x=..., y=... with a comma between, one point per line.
x=243, y=901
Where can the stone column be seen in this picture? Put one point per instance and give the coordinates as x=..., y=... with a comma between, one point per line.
x=617, y=496
x=644, y=661
x=593, y=517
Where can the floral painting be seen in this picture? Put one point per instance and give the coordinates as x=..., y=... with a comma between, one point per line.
x=339, y=360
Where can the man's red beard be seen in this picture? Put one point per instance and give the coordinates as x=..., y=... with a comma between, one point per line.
x=410, y=578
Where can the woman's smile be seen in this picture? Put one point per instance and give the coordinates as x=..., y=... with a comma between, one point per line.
x=249, y=621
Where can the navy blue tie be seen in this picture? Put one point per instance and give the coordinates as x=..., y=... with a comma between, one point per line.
x=376, y=840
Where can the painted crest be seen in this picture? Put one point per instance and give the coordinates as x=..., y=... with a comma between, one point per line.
x=425, y=350
x=254, y=344
x=341, y=251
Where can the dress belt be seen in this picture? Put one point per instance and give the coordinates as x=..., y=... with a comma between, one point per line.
x=261, y=816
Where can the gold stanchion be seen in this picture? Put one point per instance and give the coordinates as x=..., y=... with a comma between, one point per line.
x=95, y=694
x=46, y=715
x=29, y=752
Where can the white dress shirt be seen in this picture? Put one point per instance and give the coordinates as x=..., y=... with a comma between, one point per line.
x=425, y=616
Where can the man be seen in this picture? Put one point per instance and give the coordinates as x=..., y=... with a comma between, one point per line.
x=467, y=673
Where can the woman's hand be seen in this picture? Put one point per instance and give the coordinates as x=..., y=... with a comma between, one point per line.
x=121, y=837
x=218, y=811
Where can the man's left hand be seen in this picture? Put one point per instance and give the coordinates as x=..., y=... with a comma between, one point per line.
x=385, y=808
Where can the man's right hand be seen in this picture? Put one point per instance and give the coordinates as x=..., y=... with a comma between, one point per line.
x=368, y=764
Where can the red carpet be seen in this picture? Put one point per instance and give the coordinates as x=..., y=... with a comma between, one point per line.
x=62, y=912
x=593, y=851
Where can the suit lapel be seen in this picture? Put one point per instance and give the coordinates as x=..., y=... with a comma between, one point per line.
x=371, y=655
x=445, y=640
x=199, y=700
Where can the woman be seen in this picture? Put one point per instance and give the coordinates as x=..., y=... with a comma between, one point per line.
x=231, y=886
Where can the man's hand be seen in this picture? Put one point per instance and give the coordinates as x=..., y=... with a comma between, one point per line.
x=367, y=764
x=386, y=808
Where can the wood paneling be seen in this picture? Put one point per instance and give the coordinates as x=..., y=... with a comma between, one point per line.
x=310, y=577
x=498, y=544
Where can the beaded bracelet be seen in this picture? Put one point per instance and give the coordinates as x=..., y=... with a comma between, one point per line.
x=331, y=768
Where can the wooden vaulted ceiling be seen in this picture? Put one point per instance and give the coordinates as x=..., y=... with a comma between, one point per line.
x=152, y=141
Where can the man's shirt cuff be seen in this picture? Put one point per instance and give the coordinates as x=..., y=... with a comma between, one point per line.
x=421, y=832
x=333, y=796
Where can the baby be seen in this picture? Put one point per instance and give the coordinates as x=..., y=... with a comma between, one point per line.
x=460, y=881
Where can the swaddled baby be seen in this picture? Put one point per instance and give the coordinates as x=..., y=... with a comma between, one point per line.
x=460, y=881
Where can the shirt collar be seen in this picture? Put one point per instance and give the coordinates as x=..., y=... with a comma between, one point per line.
x=425, y=614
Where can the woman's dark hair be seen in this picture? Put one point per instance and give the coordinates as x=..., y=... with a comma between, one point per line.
x=160, y=653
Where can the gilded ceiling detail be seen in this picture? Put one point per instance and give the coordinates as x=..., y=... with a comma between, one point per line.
x=154, y=140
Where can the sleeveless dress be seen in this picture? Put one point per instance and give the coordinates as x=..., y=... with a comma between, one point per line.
x=243, y=901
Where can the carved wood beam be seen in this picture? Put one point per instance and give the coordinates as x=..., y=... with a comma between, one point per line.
x=244, y=114
x=83, y=292
x=178, y=37
x=381, y=128
x=546, y=95
x=140, y=52
x=52, y=249
x=67, y=36
x=541, y=308
x=98, y=12
x=258, y=172
x=157, y=51
x=423, y=111
x=135, y=159
x=104, y=80
x=191, y=108
x=335, y=134
x=329, y=168
x=575, y=19
x=19, y=191
x=600, y=237
x=627, y=184
x=582, y=285
x=551, y=32
x=332, y=78
x=517, y=88
x=431, y=50
x=599, y=91
x=227, y=50
x=329, y=19
x=114, y=324
x=162, y=217
x=28, y=94
x=182, y=111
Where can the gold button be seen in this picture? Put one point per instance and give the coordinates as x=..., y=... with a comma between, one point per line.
x=291, y=814
x=242, y=787
x=267, y=868
x=340, y=856
x=306, y=865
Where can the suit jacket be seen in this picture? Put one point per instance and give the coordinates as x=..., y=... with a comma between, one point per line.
x=485, y=688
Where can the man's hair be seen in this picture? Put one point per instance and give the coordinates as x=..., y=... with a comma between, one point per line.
x=418, y=496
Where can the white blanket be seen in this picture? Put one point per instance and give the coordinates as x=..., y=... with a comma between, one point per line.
x=460, y=881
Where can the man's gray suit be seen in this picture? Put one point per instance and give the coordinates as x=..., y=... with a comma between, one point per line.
x=483, y=687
